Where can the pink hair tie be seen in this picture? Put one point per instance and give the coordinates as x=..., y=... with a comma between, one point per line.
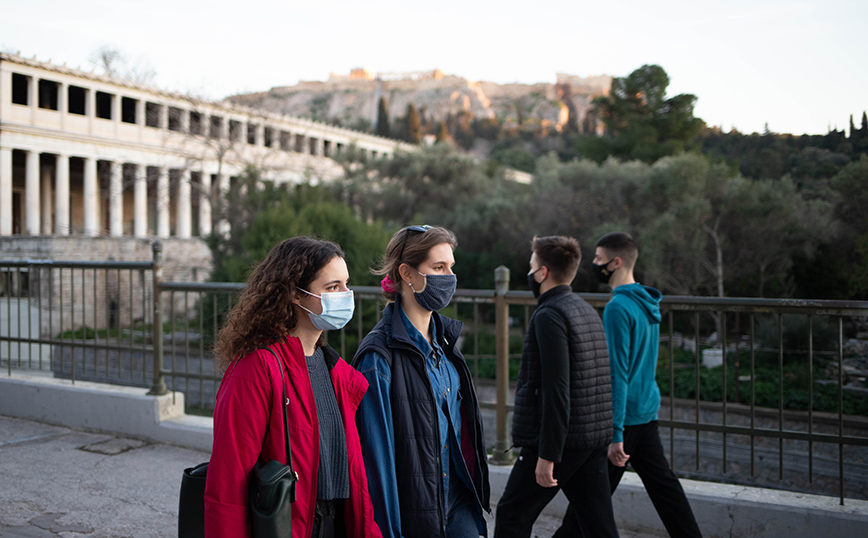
x=387, y=285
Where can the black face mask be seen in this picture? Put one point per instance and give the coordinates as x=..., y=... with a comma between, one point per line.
x=533, y=284
x=603, y=275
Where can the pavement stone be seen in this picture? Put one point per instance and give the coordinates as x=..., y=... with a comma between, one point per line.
x=61, y=482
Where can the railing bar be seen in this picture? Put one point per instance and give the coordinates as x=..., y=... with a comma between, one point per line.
x=130, y=342
x=95, y=332
x=145, y=317
x=752, y=395
x=841, y=408
x=201, y=347
x=793, y=435
x=172, y=329
x=671, y=391
x=50, y=316
x=106, y=293
x=810, y=397
x=72, y=314
x=723, y=372
x=7, y=276
x=18, y=306
x=780, y=395
x=214, y=333
x=697, y=360
x=60, y=310
x=476, y=330
x=186, y=342
x=38, y=285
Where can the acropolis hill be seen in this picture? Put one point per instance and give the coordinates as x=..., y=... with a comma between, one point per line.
x=351, y=100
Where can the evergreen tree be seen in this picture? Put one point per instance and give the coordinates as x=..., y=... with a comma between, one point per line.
x=383, y=119
x=413, y=125
x=442, y=132
x=852, y=127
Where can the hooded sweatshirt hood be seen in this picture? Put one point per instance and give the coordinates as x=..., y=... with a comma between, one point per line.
x=646, y=297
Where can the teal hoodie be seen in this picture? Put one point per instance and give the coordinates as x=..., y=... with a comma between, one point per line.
x=632, y=323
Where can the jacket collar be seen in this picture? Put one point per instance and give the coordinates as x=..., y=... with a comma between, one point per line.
x=554, y=292
x=445, y=329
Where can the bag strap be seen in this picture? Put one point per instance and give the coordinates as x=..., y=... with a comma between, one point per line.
x=285, y=418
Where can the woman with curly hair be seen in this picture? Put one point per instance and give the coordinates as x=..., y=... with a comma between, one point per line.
x=273, y=338
x=420, y=425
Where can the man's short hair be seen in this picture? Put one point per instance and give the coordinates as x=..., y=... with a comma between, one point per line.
x=560, y=254
x=621, y=245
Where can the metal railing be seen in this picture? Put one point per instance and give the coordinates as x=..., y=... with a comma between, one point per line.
x=118, y=322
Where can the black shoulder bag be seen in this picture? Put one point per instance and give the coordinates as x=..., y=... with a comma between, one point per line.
x=271, y=492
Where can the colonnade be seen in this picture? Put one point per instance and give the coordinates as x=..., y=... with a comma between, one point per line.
x=48, y=187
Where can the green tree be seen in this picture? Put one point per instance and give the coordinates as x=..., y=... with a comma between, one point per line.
x=383, y=128
x=641, y=122
x=413, y=125
x=442, y=132
x=712, y=232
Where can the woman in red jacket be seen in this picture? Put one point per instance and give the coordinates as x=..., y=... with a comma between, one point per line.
x=296, y=293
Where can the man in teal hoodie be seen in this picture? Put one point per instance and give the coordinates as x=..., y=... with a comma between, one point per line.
x=632, y=323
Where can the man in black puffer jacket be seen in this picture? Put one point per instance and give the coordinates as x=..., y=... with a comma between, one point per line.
x=562, y=419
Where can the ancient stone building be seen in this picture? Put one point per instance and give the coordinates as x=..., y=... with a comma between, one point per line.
x=88, y=155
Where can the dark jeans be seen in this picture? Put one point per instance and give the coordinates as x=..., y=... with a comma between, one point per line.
x=642, y=443
x=583, y=477
x=328, y=520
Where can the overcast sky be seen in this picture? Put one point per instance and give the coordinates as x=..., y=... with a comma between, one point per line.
x=800, y=66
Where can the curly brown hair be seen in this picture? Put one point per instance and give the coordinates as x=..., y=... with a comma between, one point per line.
x=411, y=246
x=263, y=313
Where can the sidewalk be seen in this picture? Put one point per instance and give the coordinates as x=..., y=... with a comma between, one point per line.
x=60, y=482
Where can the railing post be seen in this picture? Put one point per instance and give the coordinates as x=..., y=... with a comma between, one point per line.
x=159, y=386
x=502, y=454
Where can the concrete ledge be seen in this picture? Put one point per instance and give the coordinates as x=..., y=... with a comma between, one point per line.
x=724, y=511
x=721, y=510
x=104, y=408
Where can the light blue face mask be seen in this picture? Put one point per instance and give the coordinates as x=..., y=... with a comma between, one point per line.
x=337, y=310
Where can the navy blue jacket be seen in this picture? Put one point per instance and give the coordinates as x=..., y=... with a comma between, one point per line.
x=414, y=423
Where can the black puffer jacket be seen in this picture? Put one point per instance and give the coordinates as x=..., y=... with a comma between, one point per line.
x=416, y=427
x=579, y=412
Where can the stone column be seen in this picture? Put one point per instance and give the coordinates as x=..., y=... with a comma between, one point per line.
x=116, y=112
x=183, y=222
x=116, y=199
x=33, y=97
x=5, y=191
x=31, y=195
x=91, y=198
x=62, y=108
x=61, y=191
x=320, y=147
x=205, y=205
x=90, y=107
x=223, y=203
x=140, y=221
x=163, y=202
x=45, y=197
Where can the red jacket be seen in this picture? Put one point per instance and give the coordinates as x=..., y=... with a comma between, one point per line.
x=248, y=425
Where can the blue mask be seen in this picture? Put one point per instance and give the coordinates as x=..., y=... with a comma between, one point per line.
x=438, y=291
x=337, y=310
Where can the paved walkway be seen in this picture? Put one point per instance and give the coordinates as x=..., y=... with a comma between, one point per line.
x=59, y=482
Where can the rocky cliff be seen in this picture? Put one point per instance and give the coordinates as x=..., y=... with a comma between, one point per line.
x=352, y=100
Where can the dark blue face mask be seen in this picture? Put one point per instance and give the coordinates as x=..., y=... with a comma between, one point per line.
x=438, y=291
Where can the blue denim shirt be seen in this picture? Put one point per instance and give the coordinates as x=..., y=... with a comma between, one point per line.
x=375, y=428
